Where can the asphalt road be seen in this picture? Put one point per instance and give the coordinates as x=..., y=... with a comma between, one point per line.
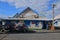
x=31, y=36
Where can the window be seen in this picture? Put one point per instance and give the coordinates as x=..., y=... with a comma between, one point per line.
x=36, y=16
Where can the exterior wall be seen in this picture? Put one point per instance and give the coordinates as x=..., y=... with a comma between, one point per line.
x=34, y=24
x=39, y=24
x=28, y=14
x=57, y=23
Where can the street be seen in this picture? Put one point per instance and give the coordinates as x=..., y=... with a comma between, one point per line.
x=31, y=36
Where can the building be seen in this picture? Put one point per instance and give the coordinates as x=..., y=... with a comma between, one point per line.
x=30, y=18
x=57, y=21
x=0, y=21
x=0, y=24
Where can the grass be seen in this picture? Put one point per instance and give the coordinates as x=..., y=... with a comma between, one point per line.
x=34, y=29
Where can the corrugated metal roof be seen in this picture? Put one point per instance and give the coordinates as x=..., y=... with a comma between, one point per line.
x=57, y=17
x=25, y=19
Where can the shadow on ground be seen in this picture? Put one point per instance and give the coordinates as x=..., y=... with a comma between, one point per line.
x=17, y=32
x=32, y=31
x=29, y=32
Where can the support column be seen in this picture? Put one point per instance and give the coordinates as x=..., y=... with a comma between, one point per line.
x=3, y=23
x=3, y=27
x=47, y=26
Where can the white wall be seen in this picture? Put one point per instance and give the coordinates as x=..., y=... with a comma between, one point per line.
x=57, y=24
x=30, y=14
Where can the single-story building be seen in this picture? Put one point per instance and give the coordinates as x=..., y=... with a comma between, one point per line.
x=0, y=24
x=34, y=23
x=0, y=21
x=57, y=21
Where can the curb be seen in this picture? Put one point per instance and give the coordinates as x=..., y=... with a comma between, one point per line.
x=39, y=31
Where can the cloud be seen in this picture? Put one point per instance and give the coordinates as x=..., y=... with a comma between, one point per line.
x=49, y=13
x=40, y=5
x=57, y=5
x=2, y=15
x=20, y=3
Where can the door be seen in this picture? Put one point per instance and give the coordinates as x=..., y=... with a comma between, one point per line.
x=44, y=25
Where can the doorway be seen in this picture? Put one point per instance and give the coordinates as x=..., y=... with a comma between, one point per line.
x=44, y=25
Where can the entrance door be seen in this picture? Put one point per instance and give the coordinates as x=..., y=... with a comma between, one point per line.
x=44, y=25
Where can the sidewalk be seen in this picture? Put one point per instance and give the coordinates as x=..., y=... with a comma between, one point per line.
x=42, y=31
x=47, y=31
x=2, y=36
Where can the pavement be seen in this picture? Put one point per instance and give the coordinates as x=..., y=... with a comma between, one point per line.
x=30, y=36
x=2, y=36
x=38, y=35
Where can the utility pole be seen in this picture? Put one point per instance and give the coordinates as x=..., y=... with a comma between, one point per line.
x=53, y=28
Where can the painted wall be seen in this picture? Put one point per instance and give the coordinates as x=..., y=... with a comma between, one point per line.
x=57, y=23
x=33, y=23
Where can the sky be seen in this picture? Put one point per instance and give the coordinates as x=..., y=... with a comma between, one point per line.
x=9, y=8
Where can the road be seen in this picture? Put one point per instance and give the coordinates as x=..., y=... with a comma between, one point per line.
x=31, y=36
